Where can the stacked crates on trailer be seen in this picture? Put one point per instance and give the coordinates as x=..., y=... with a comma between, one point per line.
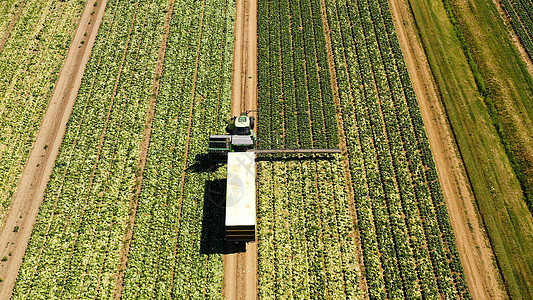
x=240, y=197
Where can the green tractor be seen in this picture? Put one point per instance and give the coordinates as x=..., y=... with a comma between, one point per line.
x=241, y=138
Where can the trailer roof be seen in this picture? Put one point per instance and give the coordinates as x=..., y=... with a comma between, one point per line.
x=240, y=193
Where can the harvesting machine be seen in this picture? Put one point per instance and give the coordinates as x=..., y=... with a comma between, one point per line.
x=239, y=148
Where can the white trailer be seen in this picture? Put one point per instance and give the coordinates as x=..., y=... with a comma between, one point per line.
x=240, y=197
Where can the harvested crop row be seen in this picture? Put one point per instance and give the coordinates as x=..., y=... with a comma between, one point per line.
x=75, y=243
x=176, y=251
x=306, y=244
x=30, y=61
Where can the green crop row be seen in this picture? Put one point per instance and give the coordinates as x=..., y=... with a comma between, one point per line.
x=76, y=241
x=520, y=14
x=293, y=77
x=30, y=61
x=408, y=246
x=405, y=198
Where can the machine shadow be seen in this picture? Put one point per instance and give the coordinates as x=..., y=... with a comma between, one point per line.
x=213, y=240
x=213, y=222
x=204, y=164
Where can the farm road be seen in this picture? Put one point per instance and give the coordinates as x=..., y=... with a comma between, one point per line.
x=472, y=242
x=38, y=168
x=240, y=269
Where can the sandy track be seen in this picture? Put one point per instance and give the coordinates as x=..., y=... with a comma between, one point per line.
x=38, y=168
x=474, y=250
x=240, y=269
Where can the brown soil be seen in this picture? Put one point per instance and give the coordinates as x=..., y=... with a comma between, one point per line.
x=240, y=269
x=37, y=171
x=143, y=155
x=476, y=255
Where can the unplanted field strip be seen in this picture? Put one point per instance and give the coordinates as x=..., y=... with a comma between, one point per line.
x=482, y=276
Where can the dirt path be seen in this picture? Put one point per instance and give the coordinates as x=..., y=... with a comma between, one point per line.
x=474, y=250
x=30, y=189
x=240, y=269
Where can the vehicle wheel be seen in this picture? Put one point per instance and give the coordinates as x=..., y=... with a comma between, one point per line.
x=252, y=122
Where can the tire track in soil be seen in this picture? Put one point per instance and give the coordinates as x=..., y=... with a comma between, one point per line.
x=143, y=155
x=6, y=35
x=344, y=149
x=476, y=254
x=38, y=168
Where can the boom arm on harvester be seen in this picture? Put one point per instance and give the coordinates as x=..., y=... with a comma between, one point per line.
x=276, y=151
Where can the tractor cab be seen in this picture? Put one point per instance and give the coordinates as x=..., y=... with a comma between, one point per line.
x=243, y=125
x=241, y=138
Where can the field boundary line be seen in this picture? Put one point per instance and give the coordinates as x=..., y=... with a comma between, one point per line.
x=38, y=168
x=453, y=172
x=143, y=155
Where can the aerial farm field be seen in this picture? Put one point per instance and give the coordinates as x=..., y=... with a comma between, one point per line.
x=108, y=191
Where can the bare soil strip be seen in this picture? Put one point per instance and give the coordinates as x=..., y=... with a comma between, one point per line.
x=11, y=25
x=126, y=241
x=37, y=171
x=342, y=145
x=237, y=92
x=475, y=252
x=240, y=269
